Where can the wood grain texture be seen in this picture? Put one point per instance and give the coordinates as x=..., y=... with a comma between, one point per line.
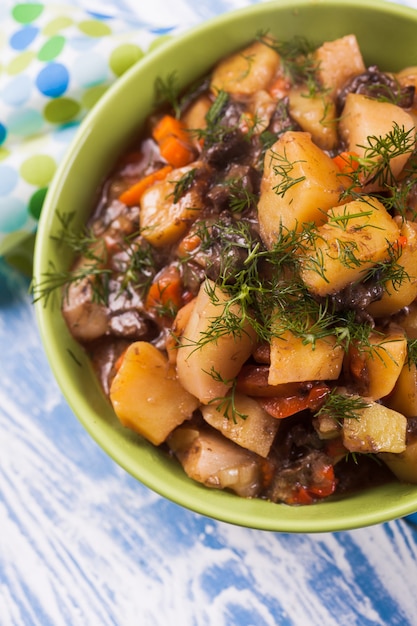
x=82, y=542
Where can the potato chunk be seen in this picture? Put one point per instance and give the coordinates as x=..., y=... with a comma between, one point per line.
x=86, y=318
x=404, y=395
x=295, y=361
x=316, y=114
x=407, y=76
x=364, y=121
x=209, y=458
x=399, y=294
x=253, y=428
x=195, y=116
x=299, y=184
x=147, y=396
x=355, y=237
x=404, y=464
x=385, y=362
x=207, y=368
x=409, y=321
x=246, y=71
x=163, y=221
x=262, y=106
x=378, y=364
x=377, y=429
x=338, y=61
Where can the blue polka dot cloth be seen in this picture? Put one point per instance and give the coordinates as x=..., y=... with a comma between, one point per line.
x=56, y=61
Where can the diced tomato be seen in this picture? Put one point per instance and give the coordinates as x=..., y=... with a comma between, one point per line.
x=281, y=407
x=325, y=482
x=300, y=495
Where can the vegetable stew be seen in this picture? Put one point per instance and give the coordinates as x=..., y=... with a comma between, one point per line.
x=246, y=285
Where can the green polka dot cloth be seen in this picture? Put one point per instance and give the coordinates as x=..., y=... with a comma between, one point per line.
x=56, y=60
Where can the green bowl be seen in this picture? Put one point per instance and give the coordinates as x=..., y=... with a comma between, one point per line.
x=387, y=37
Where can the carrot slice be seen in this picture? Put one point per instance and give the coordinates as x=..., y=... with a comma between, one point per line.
x=281, y=407
x=166, y=290
x=176, y=152
x=174, y=141
x=168, y=125
x=347, y=161
x=188, y=244
x=279, y=88
x=401, y=242
x=133, y=194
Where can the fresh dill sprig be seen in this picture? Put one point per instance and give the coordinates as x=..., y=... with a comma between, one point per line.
x=54, y=280
x=253, y=124
x=229, y=322
x=343, y=220
x=340, y=406
x=355, y=456
x=298, y=60
x=374, y=167
x=243, y=281
x=398, y=200
x=214, y=114
x=283, y=168
x=297, y=312
x=249, y=290
x=396, y=142
x=362, y=336
x=240, y=198
x=289, y=242
x=214, y=130
x=135, y=261
x=167, y=92
x=218, y=127
x=316, y=263
x=249, y=58
x=166, y=309
x=267, y=139
x=412, y=352
x=183, y=184
x=387, y=88
x=388, y=271
x=139, y=264
x=84, y=244
x=346, y=253
x=266, y=292
x=349, y=332
x=226, y=405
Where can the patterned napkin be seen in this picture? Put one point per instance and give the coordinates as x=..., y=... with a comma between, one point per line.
x=56, y=60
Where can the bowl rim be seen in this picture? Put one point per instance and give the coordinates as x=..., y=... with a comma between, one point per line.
x=195, y=497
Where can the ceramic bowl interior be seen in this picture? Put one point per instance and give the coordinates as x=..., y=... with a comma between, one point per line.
x=387, y=37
